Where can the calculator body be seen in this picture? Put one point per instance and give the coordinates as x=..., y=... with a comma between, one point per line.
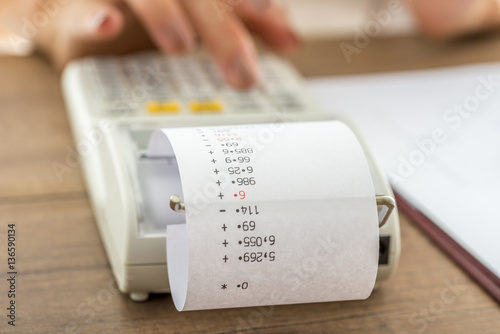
x=116, y=103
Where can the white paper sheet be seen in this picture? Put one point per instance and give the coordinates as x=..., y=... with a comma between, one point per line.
x=275, y=214
x=437, y=134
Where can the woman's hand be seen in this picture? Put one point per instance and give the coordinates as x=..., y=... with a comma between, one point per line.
x=451, y=18
x=87, y=27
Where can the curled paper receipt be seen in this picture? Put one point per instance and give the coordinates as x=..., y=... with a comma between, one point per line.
x=276, y=213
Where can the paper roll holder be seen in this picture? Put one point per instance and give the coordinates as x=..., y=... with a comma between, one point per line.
x=385, y=206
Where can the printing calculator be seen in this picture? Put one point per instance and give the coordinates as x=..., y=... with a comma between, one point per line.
x=115, y=103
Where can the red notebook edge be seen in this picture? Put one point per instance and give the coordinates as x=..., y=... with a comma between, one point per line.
x=482, y=275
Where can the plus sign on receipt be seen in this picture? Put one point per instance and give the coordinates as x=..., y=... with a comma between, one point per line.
x=277, y=213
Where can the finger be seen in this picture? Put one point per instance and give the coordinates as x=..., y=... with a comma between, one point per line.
x=448, y=18
x=94, y=19
x=267, y=18
x=167, y=24
x=78, y=23
x=227, y=39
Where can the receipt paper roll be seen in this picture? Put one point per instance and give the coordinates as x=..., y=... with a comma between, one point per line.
x=277, y=213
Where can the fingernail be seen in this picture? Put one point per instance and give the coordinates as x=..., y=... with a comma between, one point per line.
x=261, y=5
x=241, y=73
x=97, y=20
x=178, y=38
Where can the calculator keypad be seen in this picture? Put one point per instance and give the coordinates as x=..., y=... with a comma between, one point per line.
x=154, y=84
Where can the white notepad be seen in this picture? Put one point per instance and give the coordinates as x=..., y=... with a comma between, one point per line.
x=437, y=135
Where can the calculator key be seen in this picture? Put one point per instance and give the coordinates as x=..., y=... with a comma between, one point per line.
x=206, y=106
x=287, y=102
x=165, y=107
x=244, y=101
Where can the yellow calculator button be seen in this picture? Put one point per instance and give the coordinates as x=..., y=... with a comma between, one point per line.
x=165, y=107
x=206, y=106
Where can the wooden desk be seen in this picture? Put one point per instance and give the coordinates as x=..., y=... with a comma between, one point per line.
x=65, y=283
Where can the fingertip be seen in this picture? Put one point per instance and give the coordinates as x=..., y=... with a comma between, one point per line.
x=241, y=72
x=240, y=65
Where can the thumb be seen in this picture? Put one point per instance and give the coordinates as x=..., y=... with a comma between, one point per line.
x=76, y=27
